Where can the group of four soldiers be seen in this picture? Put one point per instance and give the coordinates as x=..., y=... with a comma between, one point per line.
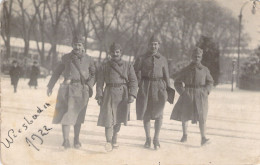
x=146, y=81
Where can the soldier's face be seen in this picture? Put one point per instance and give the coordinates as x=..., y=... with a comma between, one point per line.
x=78, y=47
x=154, y=46
x=197, y=57
x=116, y=55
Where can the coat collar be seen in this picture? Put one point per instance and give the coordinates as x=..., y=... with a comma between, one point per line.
x=149, y=54
x=194, y=65
x=74, y=55
x=119, y=62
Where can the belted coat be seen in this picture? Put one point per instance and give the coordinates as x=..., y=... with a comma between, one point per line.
x=72, y=96
x=153, y=79
x=115, y=108
x=193, y=101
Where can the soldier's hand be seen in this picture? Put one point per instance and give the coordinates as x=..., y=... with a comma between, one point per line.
x=49, y=92
x=131, y=99
x=99, y=101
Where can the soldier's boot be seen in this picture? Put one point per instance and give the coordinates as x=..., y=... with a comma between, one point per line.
x=65, y=132
x=116, y=129
x=66, y=144
x=204, y=141
x=109, y=133
x=114, y=141
x=147, y=127
x=77, y=144
x=184, y=130
x=157, y=127
x=156, y=144
x=147, y=143
x=183, y=138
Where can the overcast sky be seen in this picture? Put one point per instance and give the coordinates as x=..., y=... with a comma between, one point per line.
x=249, y=20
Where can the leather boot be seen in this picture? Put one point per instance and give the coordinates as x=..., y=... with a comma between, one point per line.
x=147, y=143
x=156, y=144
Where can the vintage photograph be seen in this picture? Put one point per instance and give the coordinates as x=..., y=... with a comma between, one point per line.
x=130, y=82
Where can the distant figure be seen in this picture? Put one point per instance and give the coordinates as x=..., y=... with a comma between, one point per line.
x=15, y=73
x=35, y=71
x=193, y=101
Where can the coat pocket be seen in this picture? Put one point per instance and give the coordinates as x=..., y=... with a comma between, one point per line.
x=77, y=90
x=63, y=91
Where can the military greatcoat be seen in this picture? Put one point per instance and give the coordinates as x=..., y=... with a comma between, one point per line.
x=193, y=101
x=115, y=108
x=153, y=77
x=72, y=96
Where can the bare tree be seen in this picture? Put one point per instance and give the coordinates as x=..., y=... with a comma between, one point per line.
x=77, y=17
x=39, y=32
x=56, y=10
x=6, y=24
x=27, y=23
x=102, y=14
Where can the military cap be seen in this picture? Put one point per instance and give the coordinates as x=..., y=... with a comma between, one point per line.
x=114, y=47
x=197, y=50
x=78, y=39
x=154, y=38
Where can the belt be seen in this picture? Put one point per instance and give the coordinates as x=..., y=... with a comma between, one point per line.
x=115, y=84
x=194, y=86
x=152, y=78
x=77, y=81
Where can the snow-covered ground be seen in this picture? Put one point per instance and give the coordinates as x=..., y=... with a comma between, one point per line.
x=233, y=127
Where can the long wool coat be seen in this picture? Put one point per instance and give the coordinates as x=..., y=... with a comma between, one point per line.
x=15, y=73
x=153, y=77
x=35, y=71
x=72, y=98
x=193, y=101
x=115, y=108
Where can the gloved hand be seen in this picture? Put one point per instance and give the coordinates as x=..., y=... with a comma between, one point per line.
x=99, y=101
x=49, y=92
x=131, y=99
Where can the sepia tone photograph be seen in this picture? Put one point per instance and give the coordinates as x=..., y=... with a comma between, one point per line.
x=130, y=82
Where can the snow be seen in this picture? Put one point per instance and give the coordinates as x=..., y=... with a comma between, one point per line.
x=233, y=127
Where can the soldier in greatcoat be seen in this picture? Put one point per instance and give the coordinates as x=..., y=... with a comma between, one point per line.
x=193, y=101
x=153, y=77
x=79, y=77
x=15, y=74
x=120, y=82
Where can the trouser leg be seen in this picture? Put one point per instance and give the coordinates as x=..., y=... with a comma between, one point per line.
x=109, y=133
x=202, y=126
x=116, y=129
x=157, y=128
x=147, y=127
x=15, y=87
x=65, y=133
x=77, y=128
x=185, y=128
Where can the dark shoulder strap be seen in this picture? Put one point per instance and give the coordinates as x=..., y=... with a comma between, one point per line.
x=121, y=75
